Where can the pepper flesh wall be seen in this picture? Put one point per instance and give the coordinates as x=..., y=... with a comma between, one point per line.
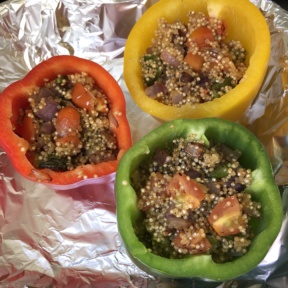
x=254, y=35
x=262, y=190
x=15, y=99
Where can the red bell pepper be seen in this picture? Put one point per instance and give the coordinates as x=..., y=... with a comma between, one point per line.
x=15, y=98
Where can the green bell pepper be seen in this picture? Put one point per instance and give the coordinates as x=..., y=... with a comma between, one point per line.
x=262, y=189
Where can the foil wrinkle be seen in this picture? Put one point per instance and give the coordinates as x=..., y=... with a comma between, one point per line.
x=56, y=238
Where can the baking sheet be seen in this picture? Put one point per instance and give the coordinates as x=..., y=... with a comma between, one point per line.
x=53, y=238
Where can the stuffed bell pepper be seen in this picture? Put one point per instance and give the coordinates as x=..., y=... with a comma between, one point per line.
x=64, y=122
x=197, y=198
x=194, y=59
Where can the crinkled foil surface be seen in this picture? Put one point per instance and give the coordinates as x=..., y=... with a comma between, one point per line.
x=52, y=238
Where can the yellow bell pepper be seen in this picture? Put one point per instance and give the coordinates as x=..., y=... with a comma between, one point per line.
x=244, y=22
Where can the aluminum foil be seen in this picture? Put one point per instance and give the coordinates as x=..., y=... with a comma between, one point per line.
x=54, y=238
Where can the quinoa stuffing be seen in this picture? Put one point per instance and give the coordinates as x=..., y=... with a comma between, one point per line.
x=67, y=124
x=194, y=201
x=192, y=63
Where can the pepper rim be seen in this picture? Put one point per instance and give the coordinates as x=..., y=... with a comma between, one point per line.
x=199, y=266
x=233, y=104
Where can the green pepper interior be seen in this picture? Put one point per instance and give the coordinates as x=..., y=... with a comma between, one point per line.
x=164, y=248
x=262, y=189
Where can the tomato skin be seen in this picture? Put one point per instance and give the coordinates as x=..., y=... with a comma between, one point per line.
x=67, y=121
x=196, y=245
x=81, y=97
x=195, y=61
x=72, y=138
x=226, y=217
x=186, y=188
x=201, y=36
x=68, y=126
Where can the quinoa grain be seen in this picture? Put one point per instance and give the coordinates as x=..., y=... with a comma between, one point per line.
x=173, y=225
x=65, y=148
x=192, y=63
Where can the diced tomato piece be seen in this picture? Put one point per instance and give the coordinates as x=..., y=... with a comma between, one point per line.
x=182, y=186
x=28, y=129
x=226, y=217
x=195, y=244
x=195, y=61
x=67, y=121
x=70, y=138
x=81, y=97
x=201, y=36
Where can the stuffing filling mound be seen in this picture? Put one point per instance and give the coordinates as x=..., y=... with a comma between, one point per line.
x=67, y=124
x=194, y=201
x=192, y=63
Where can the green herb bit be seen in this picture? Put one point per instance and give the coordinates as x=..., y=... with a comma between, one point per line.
x=152, y=65
x=53, y=163
x=219, y=172
x=217, y=86
x=239, y=55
